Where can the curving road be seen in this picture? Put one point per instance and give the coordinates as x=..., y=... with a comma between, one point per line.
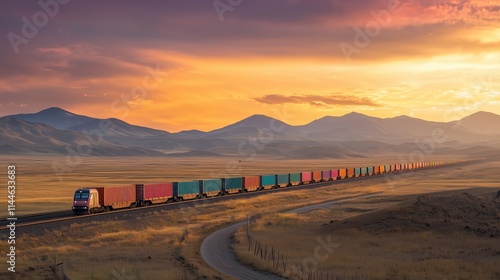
x=216, y=249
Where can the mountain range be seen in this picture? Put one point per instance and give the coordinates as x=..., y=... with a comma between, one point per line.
x=57, y=131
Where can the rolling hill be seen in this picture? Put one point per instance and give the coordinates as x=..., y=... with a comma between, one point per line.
x=22, y=137
x=352, y=135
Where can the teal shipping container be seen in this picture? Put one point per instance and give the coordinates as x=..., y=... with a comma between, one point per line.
x=232, y=184
x=370, y=170
x=357, y=171
x=295, y=178
x=283, y=180
x=364, y=170
x=211, y=185
x=184, y=188
x=267, y=181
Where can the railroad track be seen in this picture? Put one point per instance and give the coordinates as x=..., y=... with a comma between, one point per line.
x=62, y=216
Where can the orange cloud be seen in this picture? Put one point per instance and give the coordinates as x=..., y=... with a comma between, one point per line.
x=318, y=100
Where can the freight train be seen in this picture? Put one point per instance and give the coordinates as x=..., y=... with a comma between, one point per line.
x=102, y=199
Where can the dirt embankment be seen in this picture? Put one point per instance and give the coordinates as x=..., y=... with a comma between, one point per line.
x=440, y=214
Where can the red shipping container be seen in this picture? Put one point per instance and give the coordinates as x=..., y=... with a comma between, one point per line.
x=376, y=170
x=306, y=177
x=155, y=193
x=251, y=183
x=117, y=197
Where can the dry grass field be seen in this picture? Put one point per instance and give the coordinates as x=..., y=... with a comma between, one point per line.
x=165, y=244
x=41, y=188
x=429, y=237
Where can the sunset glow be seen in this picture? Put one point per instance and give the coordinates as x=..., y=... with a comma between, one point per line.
x=174, y=65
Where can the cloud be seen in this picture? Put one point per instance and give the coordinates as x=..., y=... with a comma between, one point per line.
x=318, y=100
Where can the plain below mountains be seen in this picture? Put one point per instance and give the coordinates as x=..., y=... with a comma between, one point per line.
x=56, y=131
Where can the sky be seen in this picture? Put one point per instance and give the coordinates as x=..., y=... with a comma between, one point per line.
x=180, y=65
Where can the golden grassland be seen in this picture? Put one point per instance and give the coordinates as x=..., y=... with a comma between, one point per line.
x=43, y=188
x=358, y=254
x=165, y=244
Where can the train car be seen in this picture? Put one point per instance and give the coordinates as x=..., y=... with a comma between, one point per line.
x=149, y=194
x=393, y=168
x=295, y=179
x=364, y=171
x=387, y=168
x=117, y=197
x=251, y=183
x=326, y=175
x=232, y=185
x=334, y=174
x=306, y=177
x=376, y=170
x=350, y=172
x=210, y=187
x=382, y=169
x=99, y=199
x=267, y=182
x=342, y=173
x=357, y=172
x=370, y=170
x=316, y=176
x=86, y=201
x=187, y=190
x=283, y=180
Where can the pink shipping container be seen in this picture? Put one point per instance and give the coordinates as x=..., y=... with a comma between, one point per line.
x=306, y=177
x=335, y=174
x=155, y=193
x=117, y=197
x=251, y=183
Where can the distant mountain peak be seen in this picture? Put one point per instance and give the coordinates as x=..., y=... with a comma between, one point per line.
x=55, y=111
x=55, y=117
x=354, y=113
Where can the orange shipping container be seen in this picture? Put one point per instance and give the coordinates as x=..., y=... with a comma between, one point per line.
x=342, y=173
x=350, y=172
x=251, y=183
x=316, y=176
